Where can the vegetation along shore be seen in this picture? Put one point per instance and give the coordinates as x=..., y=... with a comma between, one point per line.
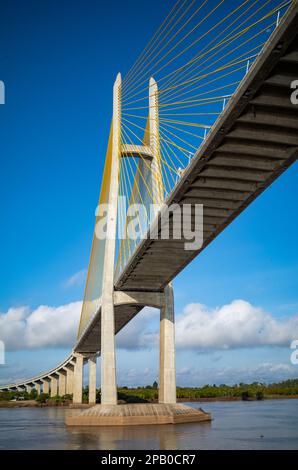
x=223, y=392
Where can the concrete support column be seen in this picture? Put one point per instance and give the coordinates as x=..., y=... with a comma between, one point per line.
x=167, y=385
x=108, y=356
x=62, y=384
x=69, y=381
x=78, y=380
x=54, y=387
x=28, y=388
x=45, y=386
x=37, y=388
x=92, y=379
x=167, y=369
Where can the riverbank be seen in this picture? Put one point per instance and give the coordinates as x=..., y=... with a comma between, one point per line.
x=213, y=399
x=31, y=404
x=18, y=404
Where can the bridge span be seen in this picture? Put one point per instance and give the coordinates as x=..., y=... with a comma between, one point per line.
x=252, y=143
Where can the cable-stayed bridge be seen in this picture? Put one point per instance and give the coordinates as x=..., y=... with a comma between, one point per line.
x=213, y=129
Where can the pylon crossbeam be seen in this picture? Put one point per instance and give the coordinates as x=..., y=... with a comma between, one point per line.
x=131, y=150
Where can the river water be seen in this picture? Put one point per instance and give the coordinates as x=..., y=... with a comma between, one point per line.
x=269, y=424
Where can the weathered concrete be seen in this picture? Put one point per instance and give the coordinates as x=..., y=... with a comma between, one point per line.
x=45, y=386
x=92, y=379
x=78, y=379
x=37, y=386
x=54, y=386
x=137, y=414
x=167, y=368
x=69, y=380
x=62, y=383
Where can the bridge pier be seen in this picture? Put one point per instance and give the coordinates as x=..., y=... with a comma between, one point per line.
x=45, y=386
x=54, y=386
x=78, y=380
x=62, y=383
x=167, y=367
x=37, y=387
x=164, y=301
x=69, y=380
x=92, y=380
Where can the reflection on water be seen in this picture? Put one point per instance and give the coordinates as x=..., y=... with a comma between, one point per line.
x=166, y=437
x=268, y=424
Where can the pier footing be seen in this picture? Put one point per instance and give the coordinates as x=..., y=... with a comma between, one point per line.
x=137, y=414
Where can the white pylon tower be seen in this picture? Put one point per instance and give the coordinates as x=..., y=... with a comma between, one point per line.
x=167, y=386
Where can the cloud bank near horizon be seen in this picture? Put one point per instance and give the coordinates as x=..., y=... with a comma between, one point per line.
x=198, y=328
x=264, y=372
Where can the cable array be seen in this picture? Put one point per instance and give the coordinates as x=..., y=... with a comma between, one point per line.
x=198, y=57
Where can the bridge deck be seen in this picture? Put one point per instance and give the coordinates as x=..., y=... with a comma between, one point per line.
x=253, y=142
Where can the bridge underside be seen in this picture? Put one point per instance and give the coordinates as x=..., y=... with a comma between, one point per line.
x=90, y=341
x=253, y=142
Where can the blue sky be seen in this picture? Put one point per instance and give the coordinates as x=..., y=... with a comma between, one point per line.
x=58, y=61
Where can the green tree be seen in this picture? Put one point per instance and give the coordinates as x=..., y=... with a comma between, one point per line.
x=245, y=395
x=260, y=395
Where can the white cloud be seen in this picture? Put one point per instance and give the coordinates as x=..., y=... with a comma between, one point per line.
x=235, y=325
x=77, y=279
x=199, y=328
x=21, y=328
